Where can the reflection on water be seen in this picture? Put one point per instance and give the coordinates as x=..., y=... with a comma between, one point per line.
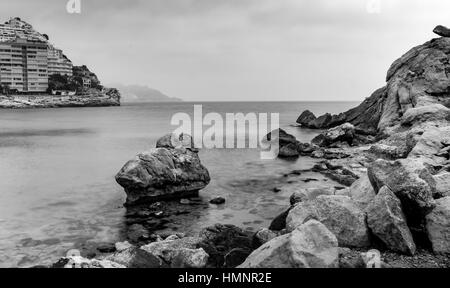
x=58, y=166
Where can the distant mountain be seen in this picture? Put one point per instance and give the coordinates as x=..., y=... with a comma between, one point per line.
x=140, y=93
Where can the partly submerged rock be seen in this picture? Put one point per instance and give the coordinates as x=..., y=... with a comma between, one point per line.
x=161, y=174
x=387, y=221
x=311, y=245
x=338, y=213
x=305, y=118
x=438, y=226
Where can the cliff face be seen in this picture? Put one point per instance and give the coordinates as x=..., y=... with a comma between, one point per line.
x=105, y=98
x=418, y=79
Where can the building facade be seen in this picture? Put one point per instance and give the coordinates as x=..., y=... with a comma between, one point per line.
x=58, y=63
x=27, y=59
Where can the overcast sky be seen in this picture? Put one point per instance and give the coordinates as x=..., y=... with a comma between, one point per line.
x=228, y=50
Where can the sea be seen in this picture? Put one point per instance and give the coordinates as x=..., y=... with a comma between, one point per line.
x=57, y=167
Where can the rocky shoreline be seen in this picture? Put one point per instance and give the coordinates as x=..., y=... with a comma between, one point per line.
x=390, y=207
x=106, y=98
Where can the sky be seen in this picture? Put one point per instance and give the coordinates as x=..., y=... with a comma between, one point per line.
x=238, y=50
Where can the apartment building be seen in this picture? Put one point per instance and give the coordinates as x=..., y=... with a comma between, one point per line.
x=27, y=59
x=58, y=63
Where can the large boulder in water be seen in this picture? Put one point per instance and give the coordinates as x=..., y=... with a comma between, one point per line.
x=162, y=174
x=311, y=245
x=305, y=118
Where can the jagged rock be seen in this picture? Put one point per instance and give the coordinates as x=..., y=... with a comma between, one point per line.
x=322, y=122
x=288, y=144
x=263, y=236
x=386, y=221
x=311, y=245
x=338, y=213
x=362, y=192
x=365, y=117
x=121, y=246
x=172, y=141
x=442, y=184
x=411, y=183
x=342, y=133
x=162, y=174
x=306, y=117
x=219, y=240
x=438, y=226
x=442, y=31
x=418, y=78
x=80, y=262
x=309, y=194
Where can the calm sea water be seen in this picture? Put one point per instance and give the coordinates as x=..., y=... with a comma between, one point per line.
x=57, y=187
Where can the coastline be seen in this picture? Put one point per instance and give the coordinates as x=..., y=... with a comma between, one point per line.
x=110, y=97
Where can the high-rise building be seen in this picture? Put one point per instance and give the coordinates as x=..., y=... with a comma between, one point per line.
x=27, y=58
x=58, y=63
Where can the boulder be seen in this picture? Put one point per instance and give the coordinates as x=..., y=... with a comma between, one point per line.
x=305, y=118
x=288, y=144
x=410, y=181
x=311, y=245
x=387, y=221
x=219, y=240
x=342, y=133
x=442, y=184
x=162, y=174
x=442, y=31
x=438, y=226
x=339, y=214
x=362, y=192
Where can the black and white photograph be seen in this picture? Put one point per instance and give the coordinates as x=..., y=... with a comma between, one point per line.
x=225, y=135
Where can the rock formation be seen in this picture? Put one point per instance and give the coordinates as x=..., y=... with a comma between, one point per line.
x=163, y=174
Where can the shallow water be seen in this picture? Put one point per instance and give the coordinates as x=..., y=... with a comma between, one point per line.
x=57, y=188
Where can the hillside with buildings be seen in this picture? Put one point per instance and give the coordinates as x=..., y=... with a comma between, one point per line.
x=34, y=73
